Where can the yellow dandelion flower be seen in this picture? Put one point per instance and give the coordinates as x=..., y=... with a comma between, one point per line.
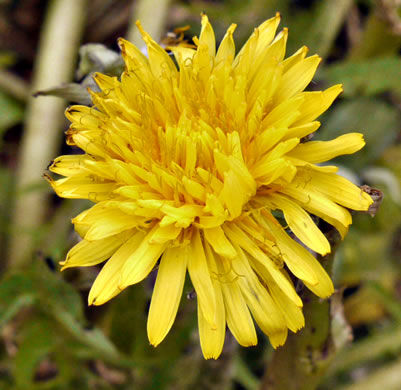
x=186, y=164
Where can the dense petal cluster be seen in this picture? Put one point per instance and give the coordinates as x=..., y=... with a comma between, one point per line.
x=192, y=165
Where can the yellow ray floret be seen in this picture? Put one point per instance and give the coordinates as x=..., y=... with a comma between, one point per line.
x=185, y=157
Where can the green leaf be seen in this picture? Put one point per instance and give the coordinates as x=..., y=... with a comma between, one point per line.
x=12, y=287
x=15, y=306
x=56, y=292
x=11, y=112
x=100, y=346
x=383, y=343
x=37, y=342
x=244, y=376
x=366, y=78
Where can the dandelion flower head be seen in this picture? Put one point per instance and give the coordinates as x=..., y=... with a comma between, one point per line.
x=190, y=160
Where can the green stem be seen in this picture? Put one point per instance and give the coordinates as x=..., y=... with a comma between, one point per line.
x=54, y=65
x=152, y=14
x=303, y=360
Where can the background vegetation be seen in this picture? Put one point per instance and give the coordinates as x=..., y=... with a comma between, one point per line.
x=50, y=339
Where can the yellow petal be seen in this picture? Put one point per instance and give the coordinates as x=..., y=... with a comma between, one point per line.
x=166, y=294
x=297, y=57
x=280, y=150
x=284, y=114
x=301, y=262
x=78, y=187
x=318, y=204
x=316, y=103
x=278, y=339
x=339, y=190
x=139, y=264
x=106, y=286
x=266, y=173
x=301, y=130
x=196, y=190
x=104, y=82
x=87, y=253
x=130, y=50
x=239, y=319
x=199, y=273
x=70, y=165
x=266, y=265
x=88, y=141
x=261, y=37
x=226, y=51
x=165, y=234
x=212, y=339
x=183, y=56
x=321, y=151
x=263, y=308
x=207, y=36
x=301, y=223
x=292, y=313
x=297, y=265
x=267, y=31
x=108, y=223
x=160, y=62
x=265, y=71
x=85, y=117
x=297, y=78
x=218, y=240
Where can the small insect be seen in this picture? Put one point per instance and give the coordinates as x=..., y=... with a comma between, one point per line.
x=176, y=38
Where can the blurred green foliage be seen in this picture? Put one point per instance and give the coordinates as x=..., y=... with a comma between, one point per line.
x=50, y=339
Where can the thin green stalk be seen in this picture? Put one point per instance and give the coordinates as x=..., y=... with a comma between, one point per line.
x=378, y=39
x=58, y=48
x=387, y=377
x=329, y=19
x=13, y=85
x=152, y=14
x=373, y=348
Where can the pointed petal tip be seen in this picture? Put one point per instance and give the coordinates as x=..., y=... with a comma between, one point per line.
x=93, y=301
x=232, y=28
x=138, y=24
x=144, y=34
x=120, y=42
